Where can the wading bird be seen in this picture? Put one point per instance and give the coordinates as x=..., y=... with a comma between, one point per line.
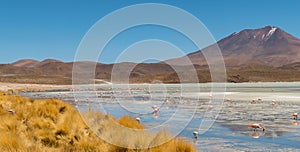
x=295, y=115
x=155, y=111
x=195, y=133
x=138, y=119
x=11, y=112
x=253, y=101
x=154, y=107
x=273, y=102
x=256, y=126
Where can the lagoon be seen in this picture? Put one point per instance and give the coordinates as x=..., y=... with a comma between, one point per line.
x=186, y=108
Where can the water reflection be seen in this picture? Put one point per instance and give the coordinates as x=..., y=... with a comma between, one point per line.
x=256, y=134
x=295, y=122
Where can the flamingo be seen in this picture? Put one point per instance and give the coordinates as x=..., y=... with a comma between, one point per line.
x=210, y=96
x=256, y=126
x=154, y=107
x=155, y=114
x=138, y=119
x=253, y=101
x=166, y=101
x=11, y=112
x=155, y=111
x=295, y=115
x=273, y=102
x=195, y=133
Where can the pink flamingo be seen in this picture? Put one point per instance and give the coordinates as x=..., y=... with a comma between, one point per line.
x=256, y=126
x=210, y=96
x=154, y=107
x=11, y=112
x=295, y=115
x=195, y=133
x=138, y=119
x=155, y=111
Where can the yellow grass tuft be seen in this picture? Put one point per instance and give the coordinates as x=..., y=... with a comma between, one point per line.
x=52, y=125
x=130, y=123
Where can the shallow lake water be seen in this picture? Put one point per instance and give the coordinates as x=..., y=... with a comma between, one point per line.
x=221, y=118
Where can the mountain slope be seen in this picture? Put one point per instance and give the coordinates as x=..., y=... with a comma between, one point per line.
x=25, y=63
x=33, y=63
x=269, y=46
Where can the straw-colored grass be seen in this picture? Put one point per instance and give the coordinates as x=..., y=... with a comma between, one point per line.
x=53, y=125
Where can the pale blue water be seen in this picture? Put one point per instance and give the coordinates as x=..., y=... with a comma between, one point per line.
x=229, y=132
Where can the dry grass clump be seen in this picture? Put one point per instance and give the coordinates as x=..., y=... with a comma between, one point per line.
x=130, y=123
x=52, y=125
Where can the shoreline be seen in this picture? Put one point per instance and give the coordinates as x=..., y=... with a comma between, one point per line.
x=21, y=87
x=28, y=87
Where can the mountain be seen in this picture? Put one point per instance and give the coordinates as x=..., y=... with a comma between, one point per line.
x=269, y=46
x=264, y=54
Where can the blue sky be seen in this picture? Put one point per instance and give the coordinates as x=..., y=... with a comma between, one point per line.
x=53, y=29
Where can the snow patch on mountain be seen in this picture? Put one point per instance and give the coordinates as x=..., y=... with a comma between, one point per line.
x=271, y=32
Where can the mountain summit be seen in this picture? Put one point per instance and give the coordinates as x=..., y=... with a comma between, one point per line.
x=266, y=46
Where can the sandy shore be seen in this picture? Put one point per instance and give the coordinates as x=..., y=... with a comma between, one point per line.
x=32, y=87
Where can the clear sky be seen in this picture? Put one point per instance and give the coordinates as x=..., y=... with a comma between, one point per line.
x=42, y=29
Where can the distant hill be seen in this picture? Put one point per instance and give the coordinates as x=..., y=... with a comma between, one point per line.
x=46, y=61
x=33, y=63
x=25, y=63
